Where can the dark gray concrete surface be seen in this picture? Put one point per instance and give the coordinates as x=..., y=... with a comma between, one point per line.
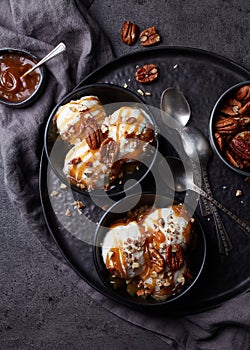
x=39, y=307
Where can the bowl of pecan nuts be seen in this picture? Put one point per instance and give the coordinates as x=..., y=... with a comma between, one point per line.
x=149, y=250
x=229, y=128
x=99, y=137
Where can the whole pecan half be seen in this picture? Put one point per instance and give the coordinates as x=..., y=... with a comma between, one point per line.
x=157, y=261
x=149, y=36
x=108, y=152
x=240, y=144
x=231, y=107
x=227, y=125
x=147, y=73
x=233, y=159
x=92, y=133
x=245, y=109
x=174, y=257
x=129, y=33
x=243, y=94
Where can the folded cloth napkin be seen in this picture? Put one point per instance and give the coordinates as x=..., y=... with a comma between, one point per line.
x=38, y=27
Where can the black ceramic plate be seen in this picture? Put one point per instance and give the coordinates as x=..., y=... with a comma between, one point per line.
x=202, y=77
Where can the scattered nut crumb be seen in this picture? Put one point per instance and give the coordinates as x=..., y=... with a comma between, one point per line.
x=135, y=265
x=80, y=205
x=63, y=186
x=68, y=213
x=54, y=193
x=175, y=66
x=125, y=85
x=238, y=193
x=208, y=219
x=192, y=220
x=140, y=92
x=105, y=207
x=242, y=202
x=147, y=93
x=224, y=187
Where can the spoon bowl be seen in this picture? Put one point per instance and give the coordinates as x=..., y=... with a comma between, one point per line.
x=174, y=104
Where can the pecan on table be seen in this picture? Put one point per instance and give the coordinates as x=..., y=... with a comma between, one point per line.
x=157, y=261
x=147, y=73
x=149, y=37
x=129, y=33
x=108, y=152
x=92, y=133
x=174, y=257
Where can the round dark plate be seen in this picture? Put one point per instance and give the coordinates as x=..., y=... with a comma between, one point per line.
x=202, y=77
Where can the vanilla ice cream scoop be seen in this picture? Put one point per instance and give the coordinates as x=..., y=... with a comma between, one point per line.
x=123, y=251
x=83, y=168
x=71, y=118
x=168, y=226
x=130, y=127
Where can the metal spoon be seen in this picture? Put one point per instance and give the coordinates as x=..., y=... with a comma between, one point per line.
x=58, y=49
x=184, y=181
x=195, y=142
x=173, y=103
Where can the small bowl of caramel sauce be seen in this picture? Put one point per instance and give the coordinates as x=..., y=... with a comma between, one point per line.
x=15, y=90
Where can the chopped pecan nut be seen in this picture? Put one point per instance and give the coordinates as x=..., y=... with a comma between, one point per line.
x=156, y=259
x=108, y=152
x=129, y=33
x=147, y=73
x=174, y=257
x=75, y=161
x=227, y=125
x=148, y=134
x=149, y=37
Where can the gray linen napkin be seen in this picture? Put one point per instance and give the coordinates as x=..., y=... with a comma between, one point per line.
x=38, y=28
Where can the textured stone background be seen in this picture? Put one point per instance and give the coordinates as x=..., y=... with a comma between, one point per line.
x=39, y=307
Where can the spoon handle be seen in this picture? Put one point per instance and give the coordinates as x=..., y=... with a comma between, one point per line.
x=224, y=241
x=58, y=49
x=244, y=225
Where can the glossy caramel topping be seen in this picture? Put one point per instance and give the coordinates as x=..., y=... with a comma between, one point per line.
x=13, y=88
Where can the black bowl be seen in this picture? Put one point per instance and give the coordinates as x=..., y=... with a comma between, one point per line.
x=214, y=115
x=32, y=98
x=112, y=97
x=196, y=256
